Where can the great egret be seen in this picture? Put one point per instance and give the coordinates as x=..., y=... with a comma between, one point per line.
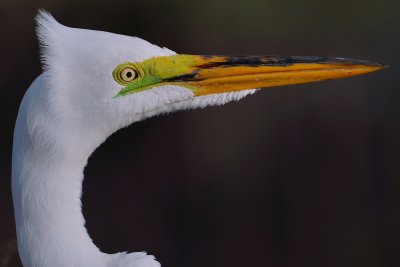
x=95, y=83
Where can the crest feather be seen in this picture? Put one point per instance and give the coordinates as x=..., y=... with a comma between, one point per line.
x=46, y=29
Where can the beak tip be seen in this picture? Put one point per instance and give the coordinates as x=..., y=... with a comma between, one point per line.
x=378, y=66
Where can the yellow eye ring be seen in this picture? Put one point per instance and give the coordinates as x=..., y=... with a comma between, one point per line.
x=128, y=74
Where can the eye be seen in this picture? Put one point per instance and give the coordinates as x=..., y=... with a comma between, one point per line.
x=128, y=74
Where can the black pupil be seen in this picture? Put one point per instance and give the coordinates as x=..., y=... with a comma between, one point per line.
x=129, y=74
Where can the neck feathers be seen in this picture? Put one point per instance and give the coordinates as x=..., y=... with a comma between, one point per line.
x=47, y=186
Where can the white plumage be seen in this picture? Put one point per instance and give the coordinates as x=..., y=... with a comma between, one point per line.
x=67, y=112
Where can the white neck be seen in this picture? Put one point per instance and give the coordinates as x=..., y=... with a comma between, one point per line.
x=47, y=174
x=50, y=224
x=47, y=188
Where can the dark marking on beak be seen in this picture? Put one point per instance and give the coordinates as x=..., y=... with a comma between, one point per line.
x=184, y=78
x=281, y=61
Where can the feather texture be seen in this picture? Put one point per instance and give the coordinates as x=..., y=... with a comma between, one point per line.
x=66, y=113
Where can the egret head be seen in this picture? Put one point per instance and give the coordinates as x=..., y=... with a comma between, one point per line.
x=113, y=80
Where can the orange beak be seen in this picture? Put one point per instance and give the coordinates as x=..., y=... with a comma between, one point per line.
x=219, y=74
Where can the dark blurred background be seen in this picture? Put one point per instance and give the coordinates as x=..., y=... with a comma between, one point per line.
x=304, y=175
